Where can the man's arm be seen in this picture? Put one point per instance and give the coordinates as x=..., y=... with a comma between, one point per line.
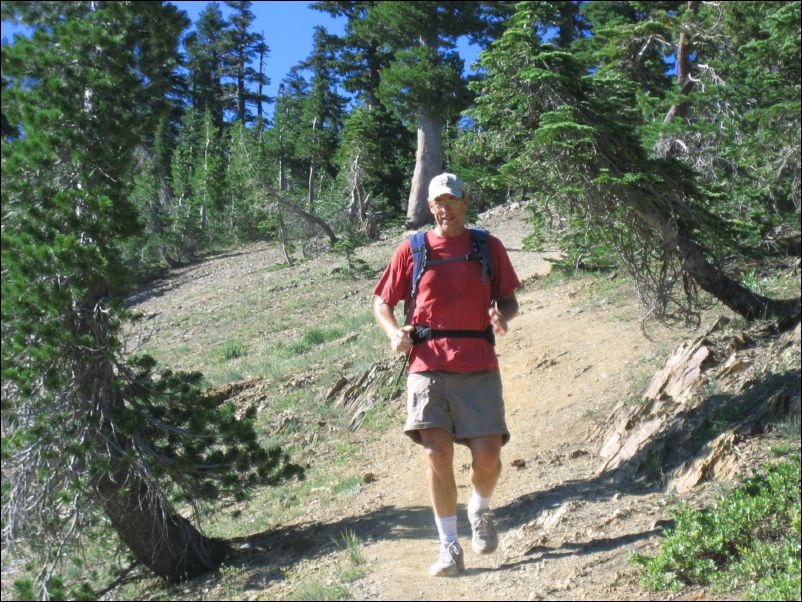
x=400, y=340
x=505, y=310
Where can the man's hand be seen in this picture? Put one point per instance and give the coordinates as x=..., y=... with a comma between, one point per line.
x=498, y=321
x=400, y=340
x=501, y=313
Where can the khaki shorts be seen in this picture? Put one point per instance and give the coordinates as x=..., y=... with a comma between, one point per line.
x=466, y=405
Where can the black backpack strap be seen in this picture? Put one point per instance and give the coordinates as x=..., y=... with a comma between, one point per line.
x=417, y=244
x=482, y=252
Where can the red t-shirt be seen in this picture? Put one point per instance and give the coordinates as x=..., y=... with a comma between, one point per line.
x=451, y=296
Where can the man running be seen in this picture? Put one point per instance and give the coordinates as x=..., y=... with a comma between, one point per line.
x=454, y=385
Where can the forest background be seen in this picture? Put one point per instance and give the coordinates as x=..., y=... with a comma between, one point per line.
x=661, y=137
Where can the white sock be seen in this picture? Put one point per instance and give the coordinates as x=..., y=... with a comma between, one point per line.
x=477, y=503
x=447, y=528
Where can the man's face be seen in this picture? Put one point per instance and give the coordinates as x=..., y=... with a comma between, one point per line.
x=449, y=214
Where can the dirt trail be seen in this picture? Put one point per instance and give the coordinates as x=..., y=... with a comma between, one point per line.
x=565, y=532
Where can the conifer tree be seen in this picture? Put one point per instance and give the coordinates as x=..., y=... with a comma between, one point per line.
x=185, y=228
x=208, y=182
x=376, y=148
x=246, y=209
x=262, y=80
x=425, y=82
x=322, y=113
x=284, y=138
x=241, y=47
x=91, y=437
x=206, y=53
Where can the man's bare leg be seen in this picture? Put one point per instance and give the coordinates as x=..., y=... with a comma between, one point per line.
x=485, y=470
x=486, y=465
x=438, y=447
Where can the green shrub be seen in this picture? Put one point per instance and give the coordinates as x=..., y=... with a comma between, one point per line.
x=231, y=350
x=750, y=539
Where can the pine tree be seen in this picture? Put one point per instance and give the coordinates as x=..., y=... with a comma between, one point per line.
x=240, y=48
x=91, y=436
x=246, y=208
x=322, y=113
x=206, y=52
x=376, y=147
x=735, y=102
x=261, y=79
x=184, y=226
x=206, y=203
x=285, y=136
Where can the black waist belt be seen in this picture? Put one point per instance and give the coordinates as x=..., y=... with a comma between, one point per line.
x=423, y=333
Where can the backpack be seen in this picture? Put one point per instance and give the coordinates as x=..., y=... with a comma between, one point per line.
x=420, y=261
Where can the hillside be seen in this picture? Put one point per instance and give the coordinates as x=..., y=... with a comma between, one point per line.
x=577, y=354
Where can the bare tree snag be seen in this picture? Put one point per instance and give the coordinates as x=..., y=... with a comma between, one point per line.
x=428, y=163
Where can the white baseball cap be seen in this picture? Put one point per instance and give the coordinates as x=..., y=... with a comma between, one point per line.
x=446, y=183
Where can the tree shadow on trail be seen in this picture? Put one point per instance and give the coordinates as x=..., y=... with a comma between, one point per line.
x=276, y=550
x=540, y=553
x=530, y=505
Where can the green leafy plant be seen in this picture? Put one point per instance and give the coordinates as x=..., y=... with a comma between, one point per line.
x=317, y=590
x=750, y=539
x=355, y=267
x=231, y=580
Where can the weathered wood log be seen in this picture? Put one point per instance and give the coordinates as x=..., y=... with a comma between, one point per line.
x=676, y=428
x=358, y=395
x=718, y=460
x=669, y=394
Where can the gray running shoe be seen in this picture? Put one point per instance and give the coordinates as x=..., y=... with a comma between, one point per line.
x=484, y=540
x=450, y=562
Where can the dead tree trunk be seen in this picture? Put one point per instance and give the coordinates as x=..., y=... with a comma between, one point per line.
x=684, y=79
x=310, y=198
x=359, y=211
x=707, y=275
x=428, y=163
x=309, y=218
x=282, y=231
